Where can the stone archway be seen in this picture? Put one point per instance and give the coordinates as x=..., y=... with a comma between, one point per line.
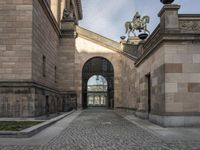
x=98, y=66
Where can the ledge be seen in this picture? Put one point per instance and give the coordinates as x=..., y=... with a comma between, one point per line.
x=189, y=16
x=29, y=132
x=158, y=37
x=30, y=83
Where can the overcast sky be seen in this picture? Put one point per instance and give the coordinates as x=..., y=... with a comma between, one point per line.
x=107, y=17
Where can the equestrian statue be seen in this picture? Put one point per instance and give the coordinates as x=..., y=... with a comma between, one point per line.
x=137, y=24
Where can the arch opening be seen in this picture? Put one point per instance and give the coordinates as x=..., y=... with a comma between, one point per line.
x=98, y=83
x=97, y=91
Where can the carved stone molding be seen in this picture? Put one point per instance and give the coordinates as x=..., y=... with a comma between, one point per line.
x=192, y=26
x=50, y=16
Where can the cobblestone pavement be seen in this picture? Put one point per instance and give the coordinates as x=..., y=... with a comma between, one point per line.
x=97, y=129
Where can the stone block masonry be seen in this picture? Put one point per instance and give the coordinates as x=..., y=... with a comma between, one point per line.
x=15, y=39
x=45, y=44
x=28, y=34
x=41, y=64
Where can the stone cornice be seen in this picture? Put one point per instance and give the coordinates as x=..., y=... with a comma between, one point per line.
x=169, y=7
x=26, y=83
x=167, y=38
x=50, y=16
x=158, y=37
x=189, y=17
x=31, y=84
x=150, y=44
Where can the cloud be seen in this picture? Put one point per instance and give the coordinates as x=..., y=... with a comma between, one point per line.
x=107, y=17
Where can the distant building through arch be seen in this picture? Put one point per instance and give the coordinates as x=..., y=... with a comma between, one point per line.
x=97, y=91
x=98, y=66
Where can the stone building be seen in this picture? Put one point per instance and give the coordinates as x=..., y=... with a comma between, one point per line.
x=46, y=60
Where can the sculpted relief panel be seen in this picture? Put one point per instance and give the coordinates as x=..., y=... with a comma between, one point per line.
x=187, y=25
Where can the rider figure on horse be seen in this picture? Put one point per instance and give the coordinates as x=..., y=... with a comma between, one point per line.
x=137, y=20
x=137, y=23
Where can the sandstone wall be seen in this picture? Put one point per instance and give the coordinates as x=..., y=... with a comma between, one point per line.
x=66, y=60
x=130, y=83
x=153, y=65
x=16, y=102
x=15, y=40
x=15, y=57
x=45, y=43
x=28, y=32
x=47, y=102
x=85, y=50
x=182, y=75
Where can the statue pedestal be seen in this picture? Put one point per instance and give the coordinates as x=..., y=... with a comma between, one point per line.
x=68, y=28
x=67, y=25
x=133, y=40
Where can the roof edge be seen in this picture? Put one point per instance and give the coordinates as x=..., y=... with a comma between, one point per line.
x=102, y=41
x=98, y=39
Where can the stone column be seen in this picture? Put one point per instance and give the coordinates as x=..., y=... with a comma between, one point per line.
x=169, y=18
x=66, y=58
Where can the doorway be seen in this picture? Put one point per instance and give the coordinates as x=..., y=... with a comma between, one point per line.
x=148, y=77
x=98, y=83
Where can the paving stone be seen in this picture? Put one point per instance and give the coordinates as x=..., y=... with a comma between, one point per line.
x=101, y=129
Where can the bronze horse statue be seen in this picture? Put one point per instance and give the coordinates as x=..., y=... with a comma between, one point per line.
x=137, y=24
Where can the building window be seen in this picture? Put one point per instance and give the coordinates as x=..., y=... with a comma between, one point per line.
x=55, y=76
x=44, y=66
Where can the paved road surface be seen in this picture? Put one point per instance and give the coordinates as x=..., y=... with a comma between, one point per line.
x=101, y=129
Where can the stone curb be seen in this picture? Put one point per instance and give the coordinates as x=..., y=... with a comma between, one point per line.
x=29, y=132
x=139, y=125
x=158, y=131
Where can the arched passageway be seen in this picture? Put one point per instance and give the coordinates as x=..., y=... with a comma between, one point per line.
x=98, y=83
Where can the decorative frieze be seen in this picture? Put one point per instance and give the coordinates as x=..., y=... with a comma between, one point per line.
x=190, y=25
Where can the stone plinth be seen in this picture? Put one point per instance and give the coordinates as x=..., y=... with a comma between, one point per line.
x=133, y=40
x=69, y=25
x=169, y=17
